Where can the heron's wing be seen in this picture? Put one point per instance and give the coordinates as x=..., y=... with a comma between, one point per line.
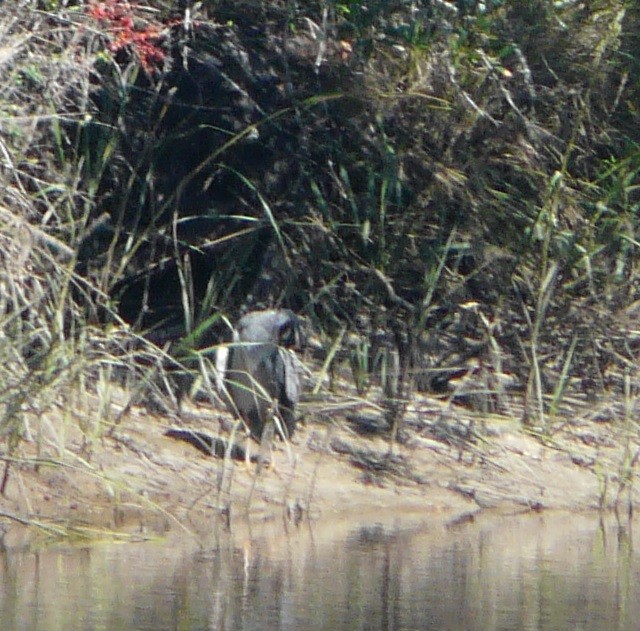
x=248, y=384
x=288, y=377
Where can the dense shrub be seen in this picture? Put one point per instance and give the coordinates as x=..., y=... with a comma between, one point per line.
x=456, y=179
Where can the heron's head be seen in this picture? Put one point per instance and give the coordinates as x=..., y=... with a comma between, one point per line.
x=290, y=329
x=277, y=326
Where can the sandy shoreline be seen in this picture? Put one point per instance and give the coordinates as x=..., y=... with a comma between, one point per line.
x=135, y=482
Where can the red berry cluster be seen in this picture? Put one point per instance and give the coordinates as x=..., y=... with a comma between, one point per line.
x=128, y=33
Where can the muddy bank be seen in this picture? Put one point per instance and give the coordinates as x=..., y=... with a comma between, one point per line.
x=132, y=481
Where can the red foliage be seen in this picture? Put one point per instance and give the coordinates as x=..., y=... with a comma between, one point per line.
x=127, y=32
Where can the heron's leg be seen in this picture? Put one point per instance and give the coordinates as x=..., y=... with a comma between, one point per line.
x=266, y=442
x=283, y=429
x=247, y=455
x=263, y=459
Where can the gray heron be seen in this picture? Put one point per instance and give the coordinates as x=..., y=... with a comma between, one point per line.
x=259, y=370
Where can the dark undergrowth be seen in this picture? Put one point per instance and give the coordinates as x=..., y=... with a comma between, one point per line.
x=442, y=189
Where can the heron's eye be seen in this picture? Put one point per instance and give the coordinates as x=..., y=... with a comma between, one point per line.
x=288, y=335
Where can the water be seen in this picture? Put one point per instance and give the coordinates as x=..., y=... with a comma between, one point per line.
x=564, y=572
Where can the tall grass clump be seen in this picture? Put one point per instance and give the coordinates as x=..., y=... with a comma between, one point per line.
x=62, y=342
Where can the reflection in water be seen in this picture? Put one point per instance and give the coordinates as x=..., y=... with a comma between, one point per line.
x=528, y=572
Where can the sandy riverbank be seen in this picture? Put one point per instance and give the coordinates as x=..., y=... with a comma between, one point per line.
x=134, y=481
